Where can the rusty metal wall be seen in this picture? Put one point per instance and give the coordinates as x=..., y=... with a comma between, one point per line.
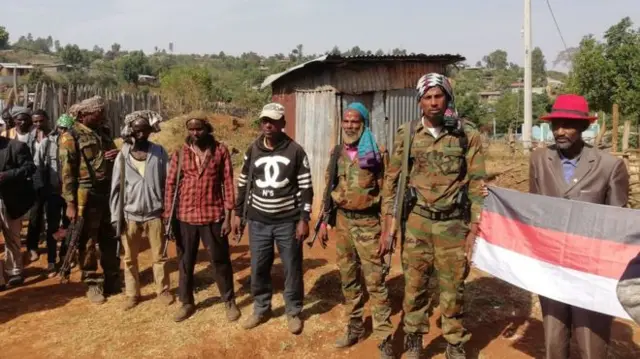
x=316, y=129
x=401, y=106
x=358, y=78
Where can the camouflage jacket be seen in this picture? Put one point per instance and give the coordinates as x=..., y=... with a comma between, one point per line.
x=357, y=189
x=435, y=168
x=75, y=176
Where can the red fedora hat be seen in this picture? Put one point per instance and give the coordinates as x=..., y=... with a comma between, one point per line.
x=569, y=107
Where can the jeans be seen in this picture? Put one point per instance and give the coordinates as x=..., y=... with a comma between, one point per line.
x=262, y=237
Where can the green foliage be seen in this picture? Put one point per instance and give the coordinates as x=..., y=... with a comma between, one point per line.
x=509, y=110
x=608, y=72
x=72, y=55
x=133, y=64
x=36, y=76
x=40, y=44
x=497, y=60
x=538, y=68
x=185, y=89
x=4, y=38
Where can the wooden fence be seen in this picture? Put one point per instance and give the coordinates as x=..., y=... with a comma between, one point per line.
x=56, y=100
x=630, y=156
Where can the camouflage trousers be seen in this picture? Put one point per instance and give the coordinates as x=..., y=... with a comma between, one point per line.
x=438, y=245
x=98, y=240
x=356, y=247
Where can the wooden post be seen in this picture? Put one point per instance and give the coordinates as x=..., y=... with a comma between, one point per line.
x=603, y=129
x=25, y=90
x=625, y=135
x=615, y=119
x=625, y=142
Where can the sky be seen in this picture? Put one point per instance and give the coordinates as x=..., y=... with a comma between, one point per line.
x=472, y=28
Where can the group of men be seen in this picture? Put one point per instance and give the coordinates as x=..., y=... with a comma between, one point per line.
x=428, y=194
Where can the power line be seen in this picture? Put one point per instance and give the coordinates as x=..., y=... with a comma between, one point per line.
x=557, y=26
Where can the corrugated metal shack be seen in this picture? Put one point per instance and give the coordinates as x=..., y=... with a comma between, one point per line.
x=314, y=94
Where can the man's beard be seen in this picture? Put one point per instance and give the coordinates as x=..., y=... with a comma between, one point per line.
x=564, y=145
x=351, y=139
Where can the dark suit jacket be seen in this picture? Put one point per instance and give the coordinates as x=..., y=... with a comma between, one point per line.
x=16, y=169
x=599, y=177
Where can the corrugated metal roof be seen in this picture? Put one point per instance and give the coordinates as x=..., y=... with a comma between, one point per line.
x=13, y=65
x=333, y=59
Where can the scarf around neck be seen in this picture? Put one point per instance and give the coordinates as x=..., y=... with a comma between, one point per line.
x=368, y=152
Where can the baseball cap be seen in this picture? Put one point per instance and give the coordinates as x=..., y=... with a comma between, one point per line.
x=274, y=111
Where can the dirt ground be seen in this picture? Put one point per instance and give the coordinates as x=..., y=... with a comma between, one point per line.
x=45, y=319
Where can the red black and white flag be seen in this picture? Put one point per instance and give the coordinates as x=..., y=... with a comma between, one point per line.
x=573, y=252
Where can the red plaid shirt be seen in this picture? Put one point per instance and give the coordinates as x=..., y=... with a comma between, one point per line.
x=204, y=193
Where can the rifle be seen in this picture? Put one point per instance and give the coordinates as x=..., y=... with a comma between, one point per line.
x=172, y=223
x=316, y=229
x=403, y=201
x=72, y=238
x=327, y=209
x=247, y=197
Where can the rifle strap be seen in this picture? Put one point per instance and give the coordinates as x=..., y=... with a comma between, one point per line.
x=90, y=169
x=406, y=155
x=178, y=175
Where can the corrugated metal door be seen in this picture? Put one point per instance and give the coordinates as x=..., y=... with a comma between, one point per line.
x=401, y=106
x=316, y=126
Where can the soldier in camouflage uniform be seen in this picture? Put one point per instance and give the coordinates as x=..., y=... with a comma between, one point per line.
x=358, y=183
x=442, y=224
x=86, y=159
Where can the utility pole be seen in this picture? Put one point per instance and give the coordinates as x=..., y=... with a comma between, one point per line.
x=528, y=92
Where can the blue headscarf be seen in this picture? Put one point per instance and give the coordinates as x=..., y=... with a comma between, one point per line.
x=368, y=153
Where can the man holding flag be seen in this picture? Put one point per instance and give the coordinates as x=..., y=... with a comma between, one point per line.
x=575, y=250
x=574, y=170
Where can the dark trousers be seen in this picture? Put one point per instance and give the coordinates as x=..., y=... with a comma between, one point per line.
x=55, y=207
x=261, y=239
x=34, y=228
x=187, y=243
x=591, y=329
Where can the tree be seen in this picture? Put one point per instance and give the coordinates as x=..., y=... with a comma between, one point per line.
x=134, y=64
x=56, y=45
x=497, y=60
x=186, y=89
x=468, y=85
x=4, y=38
x=608, y=72
x=538, y=68
x=72, y=55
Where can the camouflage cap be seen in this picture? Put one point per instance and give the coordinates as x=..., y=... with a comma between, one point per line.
x=274, y=111
x=88, y=106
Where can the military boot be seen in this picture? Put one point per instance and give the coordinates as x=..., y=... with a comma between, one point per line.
x=353, y=334
x=386, y=349
x=455, y=352
x=413, y=345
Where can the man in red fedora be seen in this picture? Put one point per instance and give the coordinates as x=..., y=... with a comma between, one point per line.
x=575, y=170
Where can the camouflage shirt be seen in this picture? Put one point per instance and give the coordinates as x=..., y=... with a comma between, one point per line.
x=435, y=169
x=75, y=176
x=358, y=189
